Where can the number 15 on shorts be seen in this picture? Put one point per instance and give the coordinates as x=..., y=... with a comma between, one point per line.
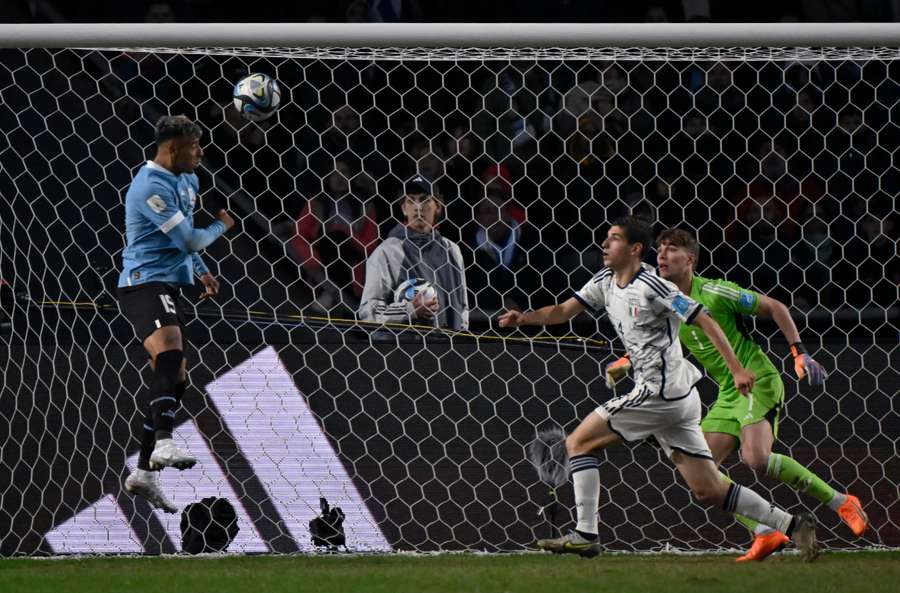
x=168, y=303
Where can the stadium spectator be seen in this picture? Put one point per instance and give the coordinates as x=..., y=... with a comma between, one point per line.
x=768, y=213
x=861, y=160
x=872, y=251
x=694, y=146
x=160, y=12
x=394, y=11
x=501, y=276
x=431, y=166
x=656, y=13
x=463, y=150
x=621, y=91
x=415, y=250
x=335, y=231
x=718, y=98
x=345, y=139
x=815, y=254
x=497, y=178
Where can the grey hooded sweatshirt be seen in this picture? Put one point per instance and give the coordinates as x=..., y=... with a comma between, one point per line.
x=408, y=254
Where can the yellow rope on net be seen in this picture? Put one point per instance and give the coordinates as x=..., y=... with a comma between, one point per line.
x=369, y=324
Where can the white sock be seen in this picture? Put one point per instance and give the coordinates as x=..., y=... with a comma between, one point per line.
x=744, y=501
x=836, y=501
x=586, y=481
x=761, y=529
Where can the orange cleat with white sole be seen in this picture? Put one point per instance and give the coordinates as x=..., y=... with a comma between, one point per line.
x=854, y=516
x=764, y=546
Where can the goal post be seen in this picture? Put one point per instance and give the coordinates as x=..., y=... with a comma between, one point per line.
x=775, y=143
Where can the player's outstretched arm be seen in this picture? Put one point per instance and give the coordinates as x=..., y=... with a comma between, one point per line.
x=743, y=378
x=549, y=315
x=804, y=365
x=191, y=240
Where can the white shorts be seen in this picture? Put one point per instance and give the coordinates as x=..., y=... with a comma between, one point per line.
x=675, y=424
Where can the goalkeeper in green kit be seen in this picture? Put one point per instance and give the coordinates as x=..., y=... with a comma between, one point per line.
x=750, y=422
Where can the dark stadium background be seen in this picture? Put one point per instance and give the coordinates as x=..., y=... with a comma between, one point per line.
x=836, y=172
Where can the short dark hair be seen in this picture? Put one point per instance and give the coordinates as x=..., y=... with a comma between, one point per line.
x=679, y=238
x=637, y=230
x=176, y=126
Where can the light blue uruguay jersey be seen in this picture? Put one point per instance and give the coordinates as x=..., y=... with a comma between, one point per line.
x=162, y=244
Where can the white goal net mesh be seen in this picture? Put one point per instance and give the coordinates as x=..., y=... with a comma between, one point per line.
x=782, y=161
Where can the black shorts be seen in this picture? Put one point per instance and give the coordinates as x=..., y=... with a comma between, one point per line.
x=151, y=306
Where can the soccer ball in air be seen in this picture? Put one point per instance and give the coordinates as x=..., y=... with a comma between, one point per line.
x=408, y=290
x=257, y=96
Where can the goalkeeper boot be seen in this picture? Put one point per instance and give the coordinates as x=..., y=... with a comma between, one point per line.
x=167, y=454
x=764, y=546
x=571, y=543
x=146, y=485
x=804, y=536
x=854, y=516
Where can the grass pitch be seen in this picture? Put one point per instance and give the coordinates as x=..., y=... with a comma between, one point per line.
x=859, y=572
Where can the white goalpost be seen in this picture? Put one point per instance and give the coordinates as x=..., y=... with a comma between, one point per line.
x=776, y=144
x=458, y=35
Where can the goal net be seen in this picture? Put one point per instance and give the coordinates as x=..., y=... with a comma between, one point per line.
x=782, y=161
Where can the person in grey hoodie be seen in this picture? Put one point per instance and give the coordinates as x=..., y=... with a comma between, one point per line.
x=415, y=252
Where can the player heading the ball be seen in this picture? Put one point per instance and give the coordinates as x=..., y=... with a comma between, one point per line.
x=161, y=257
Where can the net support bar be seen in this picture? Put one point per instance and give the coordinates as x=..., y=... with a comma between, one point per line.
x=451, y=35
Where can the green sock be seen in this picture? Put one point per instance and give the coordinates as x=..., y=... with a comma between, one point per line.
x=747, y=522
x=782, y=467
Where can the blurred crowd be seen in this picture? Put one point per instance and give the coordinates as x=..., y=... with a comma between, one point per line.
x=787, y=171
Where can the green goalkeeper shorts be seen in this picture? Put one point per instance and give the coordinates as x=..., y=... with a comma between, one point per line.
x=733, y=411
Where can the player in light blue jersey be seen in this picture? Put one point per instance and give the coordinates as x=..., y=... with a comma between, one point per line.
x=161, y=256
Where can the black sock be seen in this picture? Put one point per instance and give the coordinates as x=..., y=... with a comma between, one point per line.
x=163, y=402
x=148, y=433
x=148, y=440
x=588, y=536
x=180, y=388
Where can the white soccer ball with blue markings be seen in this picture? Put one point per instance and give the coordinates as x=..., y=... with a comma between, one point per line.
x=408, y=290
x=257, y=96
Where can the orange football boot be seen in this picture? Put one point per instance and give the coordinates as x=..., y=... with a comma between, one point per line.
x=854, y=516
x=764, y=545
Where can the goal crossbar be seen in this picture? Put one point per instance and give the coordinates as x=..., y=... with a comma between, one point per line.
x=475, y=35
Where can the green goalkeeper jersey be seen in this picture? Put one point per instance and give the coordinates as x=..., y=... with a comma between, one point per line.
x=727, y=303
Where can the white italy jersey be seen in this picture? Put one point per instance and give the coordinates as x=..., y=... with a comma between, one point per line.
x=647, y=313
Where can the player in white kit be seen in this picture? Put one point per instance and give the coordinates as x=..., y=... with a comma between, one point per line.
x=646, y=312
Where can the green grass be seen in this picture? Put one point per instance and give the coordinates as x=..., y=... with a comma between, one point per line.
x=837, y=572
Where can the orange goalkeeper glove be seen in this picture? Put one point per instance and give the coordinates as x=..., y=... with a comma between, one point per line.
x=617, y=370
x=806, y=367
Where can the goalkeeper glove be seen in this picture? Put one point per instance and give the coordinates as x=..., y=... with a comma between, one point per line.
x=617, y=370
x=806, y=367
